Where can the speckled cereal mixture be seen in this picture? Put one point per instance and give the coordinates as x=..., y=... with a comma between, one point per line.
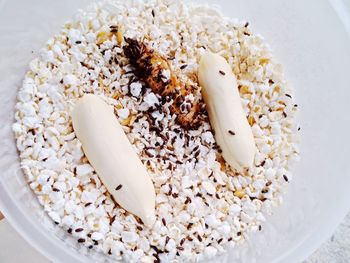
x=202, y=207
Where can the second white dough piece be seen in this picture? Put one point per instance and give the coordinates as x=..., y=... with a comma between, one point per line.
x=112, y=156
x=220, y=92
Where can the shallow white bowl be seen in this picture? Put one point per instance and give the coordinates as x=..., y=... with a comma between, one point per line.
x=310, y=40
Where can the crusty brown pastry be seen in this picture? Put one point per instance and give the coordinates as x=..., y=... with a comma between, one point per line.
x=155, y=70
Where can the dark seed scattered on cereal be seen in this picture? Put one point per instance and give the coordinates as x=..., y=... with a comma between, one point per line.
x=180, y=248
x=156, y=249
x=231, y=132
x=182, y=241
x=264, y=191
x=268, y=183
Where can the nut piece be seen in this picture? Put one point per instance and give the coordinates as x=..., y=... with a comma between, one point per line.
x=120, y=36
x=102, y=37
x=239, y=193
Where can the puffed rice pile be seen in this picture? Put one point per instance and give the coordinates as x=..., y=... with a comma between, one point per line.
x=202, y=207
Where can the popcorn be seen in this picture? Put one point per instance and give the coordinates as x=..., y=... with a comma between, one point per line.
x=57, y=50
x=70, y=80
x=74, y=35
x=55, y=217
x=96, y=236
x=212, y=221
x=129, y=237
x=151, y=99
x=234, y=209
x=123, y=113
x=198, y=196
x=166, y=75
x=209, y=187
x=84, y=169
x=88, y=197
x=61, y=186
x=68, y=220
x=208, y=137
x=135, y=89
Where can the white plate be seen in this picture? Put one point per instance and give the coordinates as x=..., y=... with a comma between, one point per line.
x=307, y=37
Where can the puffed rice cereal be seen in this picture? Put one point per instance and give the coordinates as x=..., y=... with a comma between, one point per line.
x=202, y=206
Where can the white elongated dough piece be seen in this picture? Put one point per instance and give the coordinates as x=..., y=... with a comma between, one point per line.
x=112, y=156
x=220, y=92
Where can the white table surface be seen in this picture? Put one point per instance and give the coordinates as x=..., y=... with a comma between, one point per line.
x=15, y=249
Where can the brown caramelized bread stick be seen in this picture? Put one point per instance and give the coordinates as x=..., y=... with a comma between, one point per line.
x=155, y=70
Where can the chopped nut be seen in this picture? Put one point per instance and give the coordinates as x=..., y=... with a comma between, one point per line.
x=251, y=120
x=102, y=37
x=126, y=121
x=264, y=61
x=244, y=90
x=239, y=193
